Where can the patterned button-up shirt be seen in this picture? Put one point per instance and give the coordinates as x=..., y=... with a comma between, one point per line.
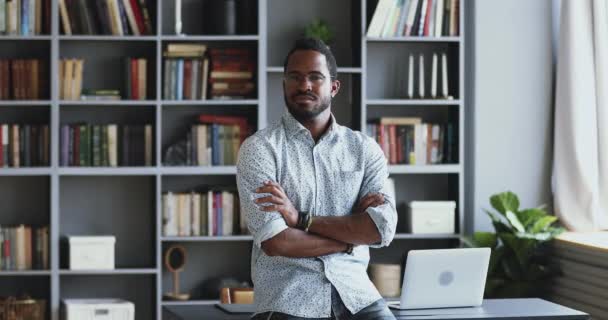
x=326, y=179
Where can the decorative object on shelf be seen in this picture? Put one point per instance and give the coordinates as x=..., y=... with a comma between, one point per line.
x=431, y=217
x=24, y=308
x=212, y=288
x=439, y=76
x=519, y=263
x=91, y=252
x=236, y=296
x=386, y=278
x=421, y=92
x=319, y=29
x=175, y=260
x=91, y=309
x=178, y=17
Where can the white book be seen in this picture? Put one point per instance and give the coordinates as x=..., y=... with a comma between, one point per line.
x=201, y=134
x=169, y=218
x=195, y=212
x=411, y=17
x=387, y=29
x=439, y=18
x=131, y=17
x=432, y=18
x=421, y=92
x=410, y=77
x=116, y=16
x=434, y=77
x=375, y=26
x=405, y=6
x=422, y=17
x=420, y=133
x=444, y=76
x=435, y=148
x=210, y=214
x=187, y=215
x=112, y=145
x=227, y=213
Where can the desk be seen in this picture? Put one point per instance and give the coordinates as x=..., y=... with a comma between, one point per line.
x=491, y=309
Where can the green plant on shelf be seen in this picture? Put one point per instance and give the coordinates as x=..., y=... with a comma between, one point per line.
x=319, y=29
x=518, y=263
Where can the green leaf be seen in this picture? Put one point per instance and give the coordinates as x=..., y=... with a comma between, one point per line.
x=485, y=239
x=502, y=227
x=523, y=248
x=505, y=201
x=514, y=221
x=492, y=216
x=543, y=223
x=529, y=216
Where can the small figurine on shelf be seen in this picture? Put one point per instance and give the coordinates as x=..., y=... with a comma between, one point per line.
x=175, y=259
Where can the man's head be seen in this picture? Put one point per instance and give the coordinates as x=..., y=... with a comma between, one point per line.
x=310, y=79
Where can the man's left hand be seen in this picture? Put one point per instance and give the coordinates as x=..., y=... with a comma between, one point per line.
x=277, y=201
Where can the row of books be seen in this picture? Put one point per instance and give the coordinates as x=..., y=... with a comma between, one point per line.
x=135, y=79
x=25, y=17
x=215, y=140
x=108, y=145
x=406, y=140
x=110, y=17
x=24, y=247
x=186, y=71
x=439, y=77
x=23, y=79
x=210, y=213
x=24, y=145
x=232, y=73
x=424, y=18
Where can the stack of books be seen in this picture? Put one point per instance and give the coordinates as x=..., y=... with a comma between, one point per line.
x=24, y=145
x=25, y=17
x=406, y=140
x=23, y=79
x=210, y=213
x=111, y=17
x=424, y=18
x=582, y=260
x=24, y=248
x=186, y=72
x=108, y=145
x=232, y=72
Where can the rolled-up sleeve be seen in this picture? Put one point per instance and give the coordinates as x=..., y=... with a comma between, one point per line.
x=255, y=165
x=375, y=181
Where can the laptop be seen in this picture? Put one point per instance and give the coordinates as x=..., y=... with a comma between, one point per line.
x=444, y=278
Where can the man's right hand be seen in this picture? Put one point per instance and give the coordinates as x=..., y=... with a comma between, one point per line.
x=369, y=200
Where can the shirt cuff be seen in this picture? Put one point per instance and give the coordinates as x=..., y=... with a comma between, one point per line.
x=269, y=230
x=385, y=218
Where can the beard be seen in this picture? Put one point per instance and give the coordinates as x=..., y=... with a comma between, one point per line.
x=302, y=113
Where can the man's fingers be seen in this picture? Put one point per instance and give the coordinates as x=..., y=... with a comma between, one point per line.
x=276, y=185
x=270, y=208
x=269, y=199
x=270, y=189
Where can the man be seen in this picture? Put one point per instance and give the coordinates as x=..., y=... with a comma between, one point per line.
x=313, y=195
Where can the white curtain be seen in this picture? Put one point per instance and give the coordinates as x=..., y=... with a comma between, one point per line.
x=580, y=160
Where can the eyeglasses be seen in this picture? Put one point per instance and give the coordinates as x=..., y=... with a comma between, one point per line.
x=315, y=79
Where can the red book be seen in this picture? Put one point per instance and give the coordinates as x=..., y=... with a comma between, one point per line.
x=139, y=19
x=187, y=79
x=134, y=82
x=7, y=249
x=428, y=17
x=229, y=52
x=228, y=120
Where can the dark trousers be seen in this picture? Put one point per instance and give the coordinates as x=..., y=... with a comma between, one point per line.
x=376, y=311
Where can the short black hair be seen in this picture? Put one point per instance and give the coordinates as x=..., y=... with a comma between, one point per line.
x=319, y=46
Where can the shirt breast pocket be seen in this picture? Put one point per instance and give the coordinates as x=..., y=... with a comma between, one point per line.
x=345, y=189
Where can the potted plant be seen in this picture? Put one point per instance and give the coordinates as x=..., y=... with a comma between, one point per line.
x=518, y=263
x=319, y=29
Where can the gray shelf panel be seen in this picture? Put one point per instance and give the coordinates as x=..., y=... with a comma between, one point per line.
x=24, y=273
x=421, y=169
x=105, y=38
x=150, y=103
x=210, y=170
x=413, y=102
x=276, y=69
x=19, y=103
x=206, y=238
x=212, y=38
x=127, y=271
x=106, y=171
x=400, y=236
x=413, y=39
x=30, y=171
x=25, y=38
x=190, y=303
x=209, y=102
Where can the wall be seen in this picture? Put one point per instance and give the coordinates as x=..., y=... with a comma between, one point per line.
x=509, y=120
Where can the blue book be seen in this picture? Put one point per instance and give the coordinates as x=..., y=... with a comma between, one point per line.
x=215, y=154
x=180, y=79
x=25, y=17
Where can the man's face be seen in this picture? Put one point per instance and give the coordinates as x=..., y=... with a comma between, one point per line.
x=307, y=85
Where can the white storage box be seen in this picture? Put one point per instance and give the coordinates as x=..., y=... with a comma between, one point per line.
x=431, y=216
x=91, y=252
x=98, y=309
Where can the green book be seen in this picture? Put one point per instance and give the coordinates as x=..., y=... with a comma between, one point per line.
x=96, y=146
x=85, y=145
x=104, y=146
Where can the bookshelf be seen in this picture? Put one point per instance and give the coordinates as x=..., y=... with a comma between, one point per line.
x=126, y=201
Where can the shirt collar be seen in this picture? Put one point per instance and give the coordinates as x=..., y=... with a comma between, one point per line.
x=294, y=127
